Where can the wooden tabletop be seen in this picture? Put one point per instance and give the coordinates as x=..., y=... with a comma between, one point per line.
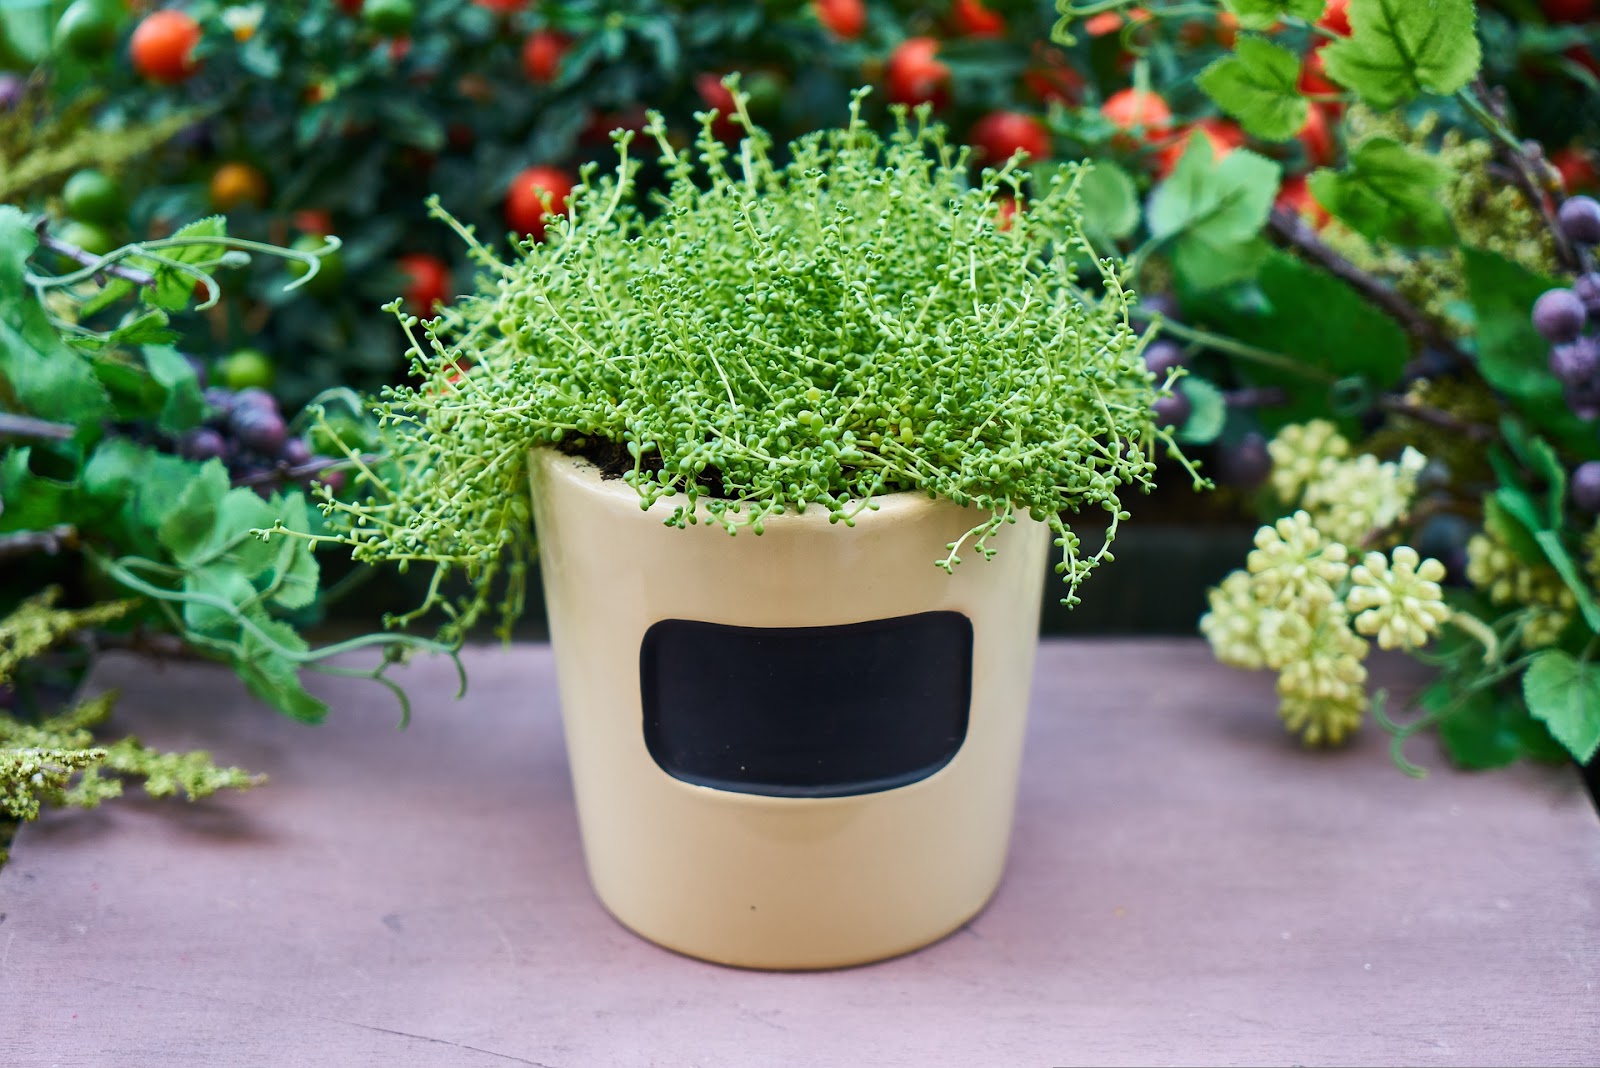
x=1186, y=886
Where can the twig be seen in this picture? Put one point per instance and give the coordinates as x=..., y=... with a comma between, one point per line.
x=27, y=542
x=1289, y=228
x=1437, y=417
x=150, y=643
x=283, y=471
x=1256, y=397
x=1524, y=158
x=89, y=259
x=26, y=426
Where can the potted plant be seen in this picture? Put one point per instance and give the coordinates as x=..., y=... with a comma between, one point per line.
x=746, y=426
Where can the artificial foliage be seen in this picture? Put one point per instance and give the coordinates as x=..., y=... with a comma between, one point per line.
x=863, y=319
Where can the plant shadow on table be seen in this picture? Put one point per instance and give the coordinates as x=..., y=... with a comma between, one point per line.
x=219, y=821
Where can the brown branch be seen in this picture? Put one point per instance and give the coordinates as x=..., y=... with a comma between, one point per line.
x=1295, y=232
x=26, y=426
x=284, y=472
x=27, y=542
x=1436, y=417
x=153, y=644
x=1529, y=171
x=89, y=259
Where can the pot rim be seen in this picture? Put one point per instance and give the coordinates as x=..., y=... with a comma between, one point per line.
x=581, y=474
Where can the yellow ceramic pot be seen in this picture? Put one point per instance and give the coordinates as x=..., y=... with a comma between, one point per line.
x=792, y=750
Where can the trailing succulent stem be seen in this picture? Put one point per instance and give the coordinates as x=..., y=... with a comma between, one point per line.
x=861, y=320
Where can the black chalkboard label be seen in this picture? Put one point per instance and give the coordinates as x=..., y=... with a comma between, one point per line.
x=807, y=711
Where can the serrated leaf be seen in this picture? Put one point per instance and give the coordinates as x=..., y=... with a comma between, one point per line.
x=219, y=581
x=1110, y=201
x=1477, y=734
x=32, y=502
x=149, y=328
x=189, y=527
x=1213, y=213
x=1388, y=192
x=182, y=405
x=40, y=375
x=296, y=573
x=174, y=288
x=1510, y=353
x=1257, y=13
x=1208, y=412
x=274, y=677
x=1301, y=303
x=1564, y=693
x=1259, y=86
x=1399, y=49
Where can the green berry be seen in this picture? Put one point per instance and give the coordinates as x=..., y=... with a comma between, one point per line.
x=92, y=196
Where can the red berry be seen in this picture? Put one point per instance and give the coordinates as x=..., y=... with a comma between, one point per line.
x=716, y=96
x=162, y=46
x=1318, y=138
x=1222, y=135
x=1577, y=168
x=844, y=18
x=1006, y=211
x=1336, y=17
x=1294, y=195
x=312, y=221
x=914, y=75
x=1000, y=134
x=1138, y=110
x=541, y=55
x=502, y=7
x=973, y=19
x=350, y=7
x=1314, y=77
x=1053, y=80
x=530, y=189
x=428, y=281
x=1568, y=10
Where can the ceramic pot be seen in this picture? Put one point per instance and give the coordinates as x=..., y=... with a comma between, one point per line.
x=790, y=750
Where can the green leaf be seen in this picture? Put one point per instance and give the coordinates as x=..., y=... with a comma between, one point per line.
x=1477, y=734
x=1259, y=86
x=32, y=502
x=1389, y=192
x=1208, y=411
x=188, y=530
x=1110, y=202
x=296, y=572
x=174, y=288
x=1301, y=303
x=40, y=374
x=1565, y=694
x=274, y=677
x=1511, y=354
x=1556, y=552
x=220, y=580
x=1214, y=212
x=1255, y=13
x=1503, y=523
x=1399, y=49
x=183, y=406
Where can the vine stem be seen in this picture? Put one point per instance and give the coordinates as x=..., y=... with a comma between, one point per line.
x=26, y=426
x=89, y=259
x=1290, y=229
x=1437, y=417
x=1264, y=357
x=1484, y=105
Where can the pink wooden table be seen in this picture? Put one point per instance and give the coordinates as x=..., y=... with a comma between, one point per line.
x=1186, y=886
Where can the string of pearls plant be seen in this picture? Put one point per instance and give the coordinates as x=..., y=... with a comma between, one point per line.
x=861, y=320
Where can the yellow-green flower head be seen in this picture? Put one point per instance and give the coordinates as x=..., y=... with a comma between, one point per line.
x=1399, y=601
x=1355, y=497
x=1232, y=624
x=1591, y=550
x=1301, y=453
x=1320, y=721
x=1506, y=580
x=1329, y=666
x=1294, y=567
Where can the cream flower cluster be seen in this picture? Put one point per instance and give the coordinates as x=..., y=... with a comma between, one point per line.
x=1300, y=609
x=1398, y=600
x=1505, y=579
x=1348, y=497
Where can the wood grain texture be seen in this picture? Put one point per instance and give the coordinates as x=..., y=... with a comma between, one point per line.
x=1186, y=886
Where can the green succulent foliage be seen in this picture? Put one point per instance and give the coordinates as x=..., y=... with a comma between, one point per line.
x=853, y=323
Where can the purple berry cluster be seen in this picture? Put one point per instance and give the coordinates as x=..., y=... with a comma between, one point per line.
x=1162, y=356
x=1563, y=316
x=247, y=432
